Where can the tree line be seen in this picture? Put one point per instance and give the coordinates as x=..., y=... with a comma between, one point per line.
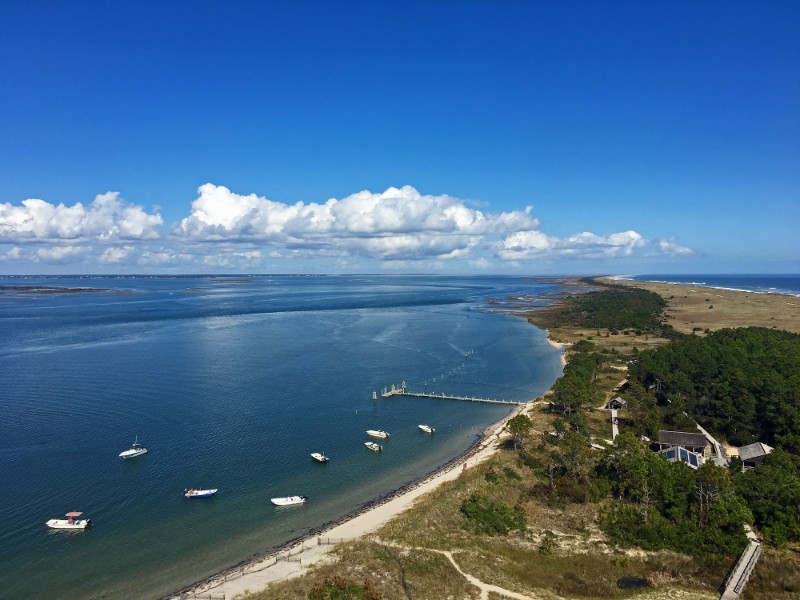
x=741, y=384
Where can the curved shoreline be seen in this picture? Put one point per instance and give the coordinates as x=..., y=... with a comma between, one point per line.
x=252, y=573
x=480, y=449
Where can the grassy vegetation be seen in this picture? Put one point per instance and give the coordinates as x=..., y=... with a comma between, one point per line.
x=561, y=553
x=776, y=576
x=688, y=310
x=383, y=570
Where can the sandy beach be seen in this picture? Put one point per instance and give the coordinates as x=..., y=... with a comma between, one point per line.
x=294, y=560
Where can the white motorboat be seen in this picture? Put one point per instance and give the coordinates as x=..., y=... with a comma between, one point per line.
x=136, y=450
x=289, y=500
x=373, y=446
x=320, y=457
x=377, y=433
x=427, y=428
x=72, y=522
x=192, y=493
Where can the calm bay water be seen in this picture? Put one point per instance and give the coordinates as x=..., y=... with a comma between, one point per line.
x=230, y=383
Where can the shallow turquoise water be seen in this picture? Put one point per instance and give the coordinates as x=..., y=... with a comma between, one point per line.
x=231, y=383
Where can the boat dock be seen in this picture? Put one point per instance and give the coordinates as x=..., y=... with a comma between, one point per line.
x=402, y=391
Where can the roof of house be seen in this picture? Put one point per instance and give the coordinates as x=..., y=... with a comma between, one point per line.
x=618, y=399
x=681, y=438
x=752, y=451
x=682, y=454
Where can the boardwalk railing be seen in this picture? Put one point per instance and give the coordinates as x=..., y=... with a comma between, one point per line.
x=736, y=580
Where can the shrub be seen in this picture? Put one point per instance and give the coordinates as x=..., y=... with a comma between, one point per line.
x=491, y=518
x=339, y=588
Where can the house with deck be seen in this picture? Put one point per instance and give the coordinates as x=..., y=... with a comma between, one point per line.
x=753, y=455
x=616, y=403
x=685, y=447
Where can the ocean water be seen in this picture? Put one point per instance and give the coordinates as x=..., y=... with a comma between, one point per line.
x=230, y=382
x=774, y=284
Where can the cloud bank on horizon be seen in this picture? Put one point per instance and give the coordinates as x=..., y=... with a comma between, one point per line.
x=395, y=229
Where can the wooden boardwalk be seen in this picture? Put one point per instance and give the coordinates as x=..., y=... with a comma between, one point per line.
x=737, y=579
x=404, y=392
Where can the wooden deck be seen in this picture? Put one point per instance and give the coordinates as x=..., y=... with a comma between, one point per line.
x=405, y=392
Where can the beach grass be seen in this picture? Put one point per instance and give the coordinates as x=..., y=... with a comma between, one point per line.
x=561, y=554
x=776, y=576
x=391, y=572
x=697, y=309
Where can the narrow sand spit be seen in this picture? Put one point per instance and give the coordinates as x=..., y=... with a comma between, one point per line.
x=257, y=575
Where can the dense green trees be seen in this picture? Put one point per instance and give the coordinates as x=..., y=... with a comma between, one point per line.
x=743, y=384
x=772, y=490
x=668, y=505
x=574, y=389
x=617, y=308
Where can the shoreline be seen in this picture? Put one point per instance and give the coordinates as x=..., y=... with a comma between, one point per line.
x=363, y=523
x=261, y=570
x=257, y=572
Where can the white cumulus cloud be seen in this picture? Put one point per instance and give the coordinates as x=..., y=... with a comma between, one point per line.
x=671, y=248
x=219, y=213
x=397, y=228
x=115, y=254
x=12, y=254
x=59, y=254
x=108, y=217
x=525, y=245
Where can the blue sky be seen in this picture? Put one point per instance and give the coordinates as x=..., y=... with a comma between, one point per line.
x=442, y=137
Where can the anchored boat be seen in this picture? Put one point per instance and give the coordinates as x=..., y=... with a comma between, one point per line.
x=378, y=433
x=320, y=457
x=373, y=446
x=136, y=450
x=71, y=522
x=199, y=493
x=289, y=500
x=426, y=428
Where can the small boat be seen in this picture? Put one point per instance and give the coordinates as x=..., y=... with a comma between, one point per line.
x=199, y=493
x=373, y=446
x=320, y=457
x=136, y=450
x=427, y=428
x=377, y=433
x=289, y=500
x=71, y=522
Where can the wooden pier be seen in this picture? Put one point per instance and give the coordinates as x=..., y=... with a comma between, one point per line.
x=402, y=391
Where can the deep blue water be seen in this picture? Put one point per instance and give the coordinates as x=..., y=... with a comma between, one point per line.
x=774, y=284
x=230, y=382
